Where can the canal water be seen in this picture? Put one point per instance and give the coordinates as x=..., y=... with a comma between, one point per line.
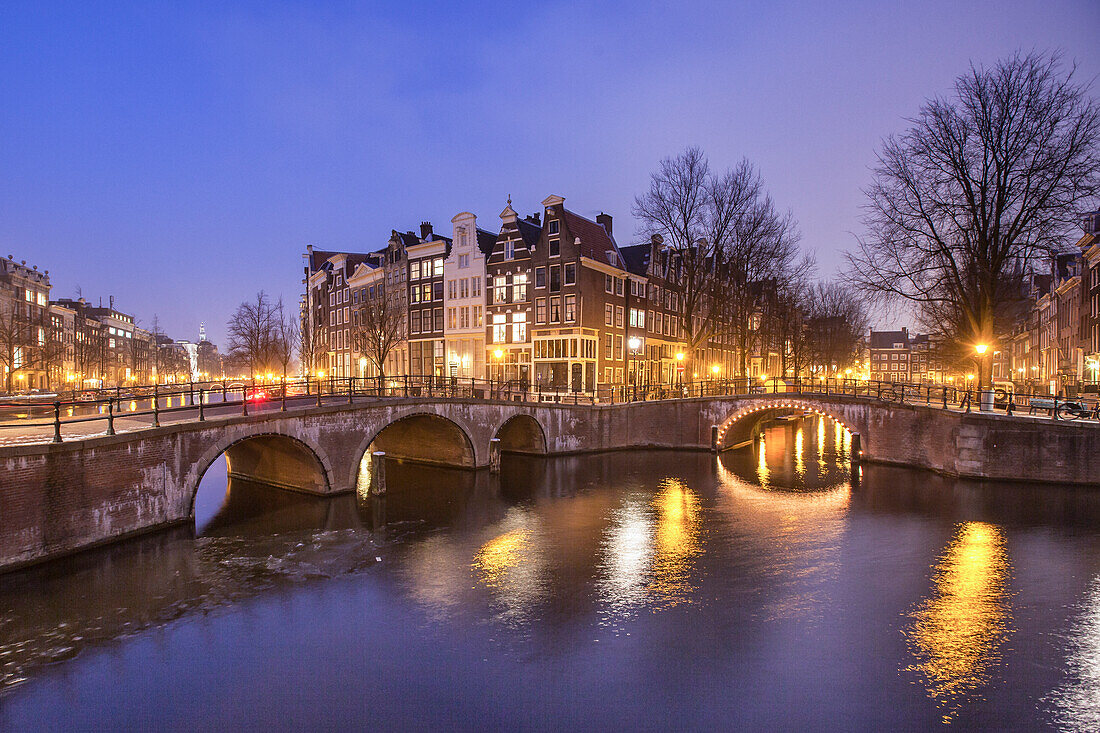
x=764, y=589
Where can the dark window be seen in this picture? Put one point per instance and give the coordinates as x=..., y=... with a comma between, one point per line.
x=552, y=226
x=540, y=277
x=571, y=274
x=437, y=290
x=555, y=247
x=555, y=279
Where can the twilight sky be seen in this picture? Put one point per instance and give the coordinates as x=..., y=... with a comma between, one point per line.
x=180, y=156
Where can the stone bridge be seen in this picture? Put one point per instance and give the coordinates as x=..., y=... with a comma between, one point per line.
x=56, y=498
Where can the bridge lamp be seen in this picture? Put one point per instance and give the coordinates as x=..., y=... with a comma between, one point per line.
x=763, y=377
x=679, y=356
x=634, y=342
x=716, y=369
x=321, y=374
x=847, y=371
x=981, y=348
x=969, y=376
x=498, y=353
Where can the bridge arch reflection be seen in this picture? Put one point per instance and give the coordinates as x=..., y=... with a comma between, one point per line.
x=740, y=426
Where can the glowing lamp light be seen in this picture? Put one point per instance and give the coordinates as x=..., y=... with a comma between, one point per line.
x=679, y=356
x=321, y=374
x=716, y=368
x=981, y=348
x=634, y=342
x=969, y=376
x=498, y=353
x=763, y=377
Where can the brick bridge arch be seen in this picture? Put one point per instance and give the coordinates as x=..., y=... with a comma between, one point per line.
x=470, y=454
x=738, y=426
x=264, y=452
x=522, y=433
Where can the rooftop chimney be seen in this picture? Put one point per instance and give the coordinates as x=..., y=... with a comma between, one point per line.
x=605, y=220
x=425, y=230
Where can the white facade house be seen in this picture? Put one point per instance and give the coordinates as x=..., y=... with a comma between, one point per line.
x=464, y=298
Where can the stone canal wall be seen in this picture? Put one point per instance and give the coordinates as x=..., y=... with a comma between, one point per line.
x=57, y=498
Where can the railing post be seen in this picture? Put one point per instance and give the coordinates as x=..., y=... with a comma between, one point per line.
x=282, y=408
x=945, y=397
x=156, y=407
x=244, y=400
x=202, y=405
x=319, y=390
x=110, y=416
x=57, y=421
x=1054, y=412
x=307, y=385
x=351, y=388
x=191, y=393
x=406, y=385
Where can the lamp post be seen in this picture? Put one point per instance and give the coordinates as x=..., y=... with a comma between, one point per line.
x=680, y=369
x=980, y=349
x=498, y=354
x=634, y=343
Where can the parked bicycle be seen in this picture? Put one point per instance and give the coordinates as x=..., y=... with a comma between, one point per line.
x=1074, y=409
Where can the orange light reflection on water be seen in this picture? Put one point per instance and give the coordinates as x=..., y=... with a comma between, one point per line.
x=957, y=633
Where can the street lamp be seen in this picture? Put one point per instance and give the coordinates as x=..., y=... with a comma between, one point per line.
x=498, y=354
x=634, y=343
x=679, y=368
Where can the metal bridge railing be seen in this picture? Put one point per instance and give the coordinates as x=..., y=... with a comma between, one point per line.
x=149, y=404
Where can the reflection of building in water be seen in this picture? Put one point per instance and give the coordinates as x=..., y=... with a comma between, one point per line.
x=1077, y=703
x=512, y=567
x=676, y=543
x=626, y=553
x=958, y=632
x=799, y=460
x=500, y=555
x=762, y=472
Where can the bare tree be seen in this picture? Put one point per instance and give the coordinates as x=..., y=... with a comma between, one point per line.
x=980, y=187
x=254, y=334
x=727, y=237
x=15, y=341
x=310, y=341
x=286, y=337
x=379, y=324
x=837, y=320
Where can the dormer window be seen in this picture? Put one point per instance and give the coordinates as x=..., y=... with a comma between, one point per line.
x=552, y=226
x=509, y=249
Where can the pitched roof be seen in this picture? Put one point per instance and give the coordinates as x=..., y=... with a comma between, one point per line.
x=319, y=257
x=636, y=258
x=529, y=231
x=595, y=241
x=887, y=339
x=485, y=241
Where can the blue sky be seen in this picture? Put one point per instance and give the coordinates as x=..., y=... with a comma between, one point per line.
x=180, y=156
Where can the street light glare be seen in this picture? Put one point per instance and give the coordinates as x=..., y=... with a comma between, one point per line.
x=981, y=348
x=498, y=353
